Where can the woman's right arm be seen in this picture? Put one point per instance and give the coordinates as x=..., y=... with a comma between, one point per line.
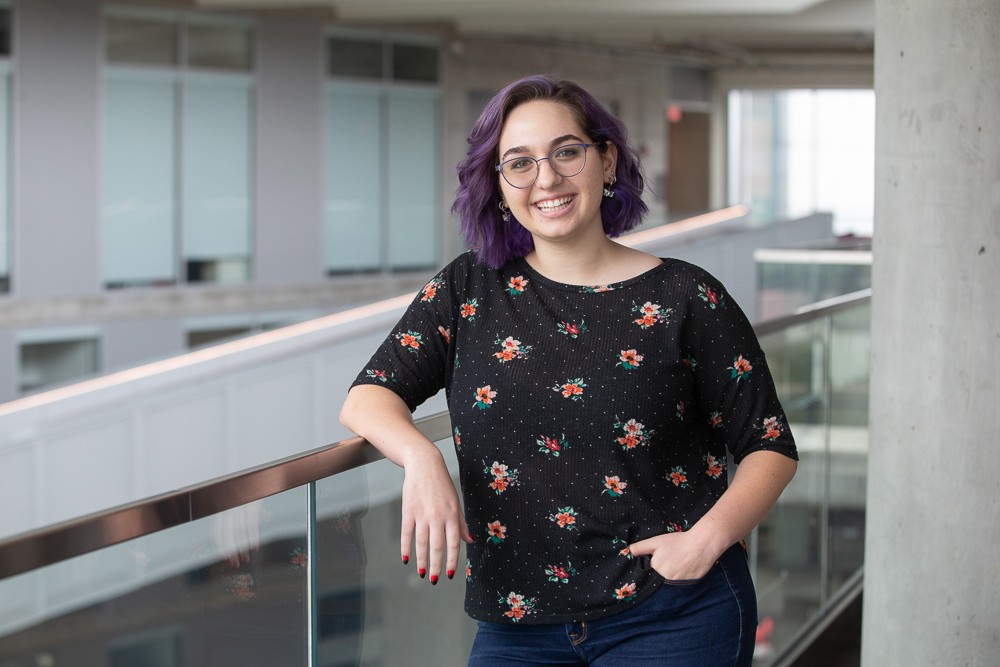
x=432, y=515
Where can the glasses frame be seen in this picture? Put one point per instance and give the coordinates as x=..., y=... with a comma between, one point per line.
x=552, y=164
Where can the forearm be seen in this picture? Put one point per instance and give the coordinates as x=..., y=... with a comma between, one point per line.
x=383, y=419
x=759, y=480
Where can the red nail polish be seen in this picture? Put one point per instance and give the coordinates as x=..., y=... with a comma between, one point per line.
x=434, y=579
x=451, y=574
x=406, y=559
x=421, y=572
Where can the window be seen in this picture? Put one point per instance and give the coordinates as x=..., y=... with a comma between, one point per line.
x=4, y=148
x=382, y=209
x=178, y=129
x=55, y=357
x=795, y=152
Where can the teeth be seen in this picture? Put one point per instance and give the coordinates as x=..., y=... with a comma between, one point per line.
x=554, y=203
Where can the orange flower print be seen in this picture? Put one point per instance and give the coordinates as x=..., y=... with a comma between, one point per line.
x=681, y=408
x=634, y=434
x=411, y=340
x=484, y=397
x=241, y=586
x=674, y=527
x=298, y=558
x=445, y=333
x=502, y=476
x=613, y=486
x=571, y=329
x=430, y=289
x=711, y=297
x=690, y=362
x=741, y=368
x=565, y=517
x=596, y=289
x=715, y=419
x=772, y=429
x=468, y=309
x=458, y=439
x=625, y=593
x=678, y=477
x=516, y=285
x=715, y=467
x=520, y=606
x=560, y=574
x=572, y=389
x=511, y=349
x=629, y=359
x=552, y=446
x=496, y=531
x=650, y=313
x=468, y=570
x=622, y=547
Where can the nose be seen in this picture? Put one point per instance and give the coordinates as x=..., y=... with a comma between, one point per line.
x=547, y=176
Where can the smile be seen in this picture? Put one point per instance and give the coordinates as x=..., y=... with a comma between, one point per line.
x=554, y=204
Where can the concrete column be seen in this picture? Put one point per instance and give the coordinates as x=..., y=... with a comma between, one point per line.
x=932, y=574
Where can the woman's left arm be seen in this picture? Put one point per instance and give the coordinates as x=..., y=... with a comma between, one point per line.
x=759, y=480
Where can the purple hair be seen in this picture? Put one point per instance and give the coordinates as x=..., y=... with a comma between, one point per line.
x=476, y=202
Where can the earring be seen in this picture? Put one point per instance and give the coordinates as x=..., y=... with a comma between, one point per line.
x=608, y=192
x=503, y=207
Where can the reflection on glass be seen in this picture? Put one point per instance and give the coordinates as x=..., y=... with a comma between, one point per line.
x=364, y=595
x=219, y=46
x=230, y=589
x=354, y=57
x=140, y=41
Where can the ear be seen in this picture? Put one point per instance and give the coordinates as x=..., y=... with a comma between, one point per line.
x=610, y=159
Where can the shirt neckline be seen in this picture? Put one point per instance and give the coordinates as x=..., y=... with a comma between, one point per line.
x=522, y=266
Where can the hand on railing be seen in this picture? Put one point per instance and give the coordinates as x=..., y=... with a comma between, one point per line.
x=237, y=533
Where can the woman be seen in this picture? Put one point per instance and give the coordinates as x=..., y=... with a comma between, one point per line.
x=594, y=390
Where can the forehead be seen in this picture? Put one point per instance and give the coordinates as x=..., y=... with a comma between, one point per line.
x=535, y=124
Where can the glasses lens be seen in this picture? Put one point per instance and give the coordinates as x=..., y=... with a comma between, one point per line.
x=568, y=160
x=520, y=172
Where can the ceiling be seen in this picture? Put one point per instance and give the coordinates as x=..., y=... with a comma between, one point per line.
x=735, y=31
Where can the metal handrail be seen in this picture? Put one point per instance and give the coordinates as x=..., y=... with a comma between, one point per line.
x=61, y=541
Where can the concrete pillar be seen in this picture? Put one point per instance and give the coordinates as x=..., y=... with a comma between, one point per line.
x=932, y=574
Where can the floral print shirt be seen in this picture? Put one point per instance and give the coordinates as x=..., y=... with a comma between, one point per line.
x=585, y=419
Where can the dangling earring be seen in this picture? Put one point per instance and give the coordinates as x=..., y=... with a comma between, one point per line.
x=608, y=192
x=503, y=207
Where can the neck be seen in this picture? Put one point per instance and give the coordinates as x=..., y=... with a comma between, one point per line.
x=579, y=264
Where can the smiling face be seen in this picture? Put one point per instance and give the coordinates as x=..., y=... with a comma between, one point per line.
x=555, y=208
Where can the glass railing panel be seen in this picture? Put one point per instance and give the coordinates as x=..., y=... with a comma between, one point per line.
x=372, y=611
x=850, y=345
x=230, y=589
x=786, y=548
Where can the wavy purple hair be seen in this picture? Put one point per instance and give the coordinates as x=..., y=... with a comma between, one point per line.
x=476, y=203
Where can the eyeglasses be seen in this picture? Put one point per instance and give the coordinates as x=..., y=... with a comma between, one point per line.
x=568, y=160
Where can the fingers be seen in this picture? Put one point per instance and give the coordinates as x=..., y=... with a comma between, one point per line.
x=436, y=546
x=642, y=547
x=405, y=539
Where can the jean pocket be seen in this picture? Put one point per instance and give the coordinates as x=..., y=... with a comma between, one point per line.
x=691, y=582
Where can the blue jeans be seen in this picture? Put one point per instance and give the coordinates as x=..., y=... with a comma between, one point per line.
x=707, y=622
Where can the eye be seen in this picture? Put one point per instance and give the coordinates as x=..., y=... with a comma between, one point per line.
x=567, y=152
x=519, y=164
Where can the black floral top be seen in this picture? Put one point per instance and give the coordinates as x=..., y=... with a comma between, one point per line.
x=585, y=418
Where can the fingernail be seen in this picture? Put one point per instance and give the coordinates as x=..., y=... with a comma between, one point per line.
x=421, y=572
x=471, y=538
x=434, y=579
x=406, y=559
x=451, y=574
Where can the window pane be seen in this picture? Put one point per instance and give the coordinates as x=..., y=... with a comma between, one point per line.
x=139, y=187
x=219, y=46
x=411, y=62
x=140, y=41
x=216, y=171
x=47, y=364
x=355, y=57
x=413, y=179
x=353, y=209
x=4, y=185
x=4, y=31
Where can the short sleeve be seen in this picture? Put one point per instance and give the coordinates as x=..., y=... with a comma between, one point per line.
x=735, y=390
x=414, y=359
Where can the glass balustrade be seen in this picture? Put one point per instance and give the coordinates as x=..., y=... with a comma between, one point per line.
x=812, y=541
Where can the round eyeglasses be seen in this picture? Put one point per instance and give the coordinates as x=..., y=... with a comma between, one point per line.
x=568, y=160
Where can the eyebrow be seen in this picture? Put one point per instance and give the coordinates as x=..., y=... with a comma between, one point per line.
x=558, y=141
